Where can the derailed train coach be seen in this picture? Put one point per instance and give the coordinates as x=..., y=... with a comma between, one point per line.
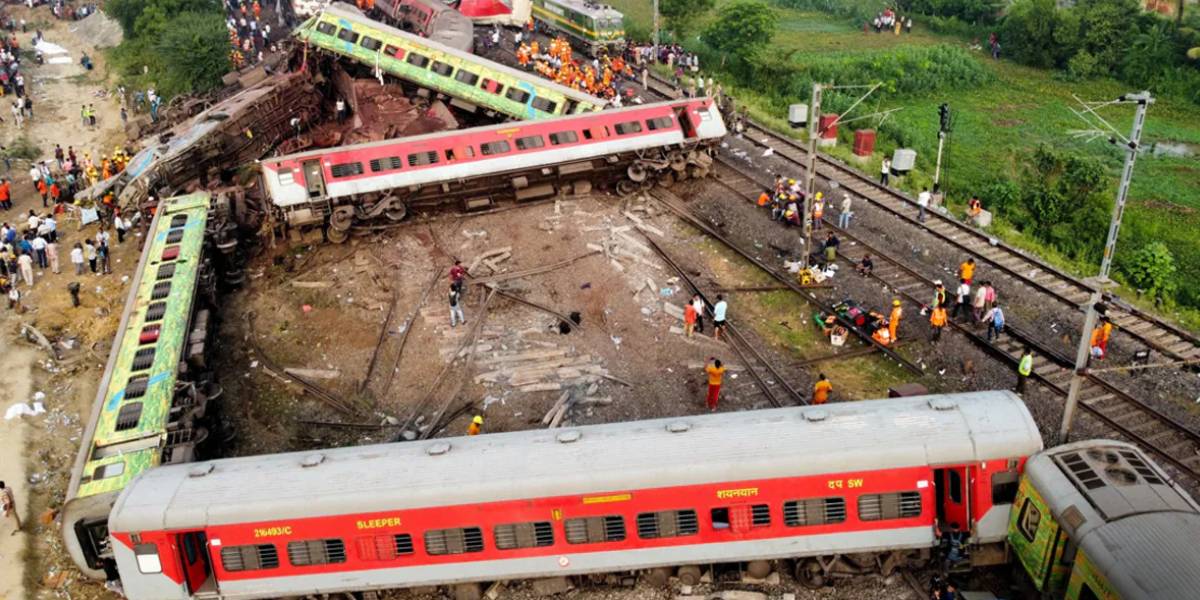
x=668, y=495
x=155, y=404
x=475, y=168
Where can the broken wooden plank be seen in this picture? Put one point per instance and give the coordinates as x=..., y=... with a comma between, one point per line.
x=553, y=409
x=312, y=285
x=541, y=387
x=313, y=373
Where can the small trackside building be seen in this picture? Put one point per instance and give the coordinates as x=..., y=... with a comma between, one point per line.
x=861, y=477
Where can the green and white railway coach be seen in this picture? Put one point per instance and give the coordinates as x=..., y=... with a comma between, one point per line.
x=470, y=80
x=1098, y=520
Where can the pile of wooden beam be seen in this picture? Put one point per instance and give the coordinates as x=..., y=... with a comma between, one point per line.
x=490, y=259
x=574, y=397
x=540, y=370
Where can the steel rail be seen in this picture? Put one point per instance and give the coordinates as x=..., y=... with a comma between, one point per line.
x=1171, y=440
x=1154, y=332
x=736, y=334
x=673, y=202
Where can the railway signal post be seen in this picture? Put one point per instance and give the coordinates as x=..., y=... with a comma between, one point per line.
x=943, y=130
x=1143, y=100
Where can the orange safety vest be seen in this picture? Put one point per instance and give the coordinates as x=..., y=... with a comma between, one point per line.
x=763, y=199
x=938, y=317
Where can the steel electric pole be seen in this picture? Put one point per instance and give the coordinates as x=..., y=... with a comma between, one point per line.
x=1131, y=147
x=810, y=172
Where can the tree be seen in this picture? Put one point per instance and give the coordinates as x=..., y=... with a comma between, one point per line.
x=1028, y=32
x=1107, y=28
x=149, y=17
x=195, y=53
x=681, y=15
x=741, y=28
x=1151, y=269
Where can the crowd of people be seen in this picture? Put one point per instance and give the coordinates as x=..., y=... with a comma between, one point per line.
x=888, y=20
x=556, y=61
x=249, y=36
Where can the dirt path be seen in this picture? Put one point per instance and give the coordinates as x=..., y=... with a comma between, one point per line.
x=57, y=91
x=16, y=363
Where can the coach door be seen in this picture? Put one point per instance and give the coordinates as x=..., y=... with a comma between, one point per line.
x=313, y=179
x=193, y=551
x=685, y=122
x=953, y=501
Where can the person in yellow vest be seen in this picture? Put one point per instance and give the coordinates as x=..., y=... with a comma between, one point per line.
x=937, y=321
x=1024, y=369
x=818, y=210
x=894, y=320
x=475, y=426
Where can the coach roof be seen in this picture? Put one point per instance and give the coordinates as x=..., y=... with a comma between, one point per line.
x=729, y=447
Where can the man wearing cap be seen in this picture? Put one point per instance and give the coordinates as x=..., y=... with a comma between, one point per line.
x=475, y=426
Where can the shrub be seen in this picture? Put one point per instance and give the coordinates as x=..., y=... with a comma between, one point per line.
x=1083, y=66
x=1152, y=270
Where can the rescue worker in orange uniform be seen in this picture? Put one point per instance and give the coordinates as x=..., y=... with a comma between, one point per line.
x=475, y=426
x=937, y=322
x=894, y=320
x=1106, y=328
x=821, y=390
x=966, y=271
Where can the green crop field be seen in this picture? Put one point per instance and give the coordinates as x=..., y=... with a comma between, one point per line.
x=999, y=122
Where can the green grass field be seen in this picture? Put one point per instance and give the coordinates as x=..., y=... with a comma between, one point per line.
x=996, y=124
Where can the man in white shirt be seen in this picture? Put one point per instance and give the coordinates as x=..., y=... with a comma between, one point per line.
x=39, y=249
x=963, y=299
x=923, y=204
x=845, y=214
x=719, y=310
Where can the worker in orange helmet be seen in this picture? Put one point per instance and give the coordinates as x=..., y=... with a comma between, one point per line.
x=475, y=426
x=894, y=320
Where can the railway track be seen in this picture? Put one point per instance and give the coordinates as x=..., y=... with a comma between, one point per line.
x=1155, y=333
x=1132, y=418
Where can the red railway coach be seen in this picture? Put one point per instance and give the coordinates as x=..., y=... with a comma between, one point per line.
x=522, y=160
x=791, y=483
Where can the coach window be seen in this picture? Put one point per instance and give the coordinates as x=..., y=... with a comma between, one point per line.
x=628, y=128
x=249, y=558
x=346, y=170
x=147, y=558
x=1004, y=486
x=895, y=505
x=316, y=552
x=106, y=471
x=347, y=36
x=491, y=86
x=660, y=123
x=531, y=142
x=496, y=147
x=326, y=28
x=667, y=523
x=370, y=43
x=814, y=511
x=128, y=416
x=465, y=76
x=741, y=518
x=459, y=540
x=384, y=547
x=394, y=51
x=517, y=95
x=418, y=159
x=524, y=535
x=563, y=137
x=387, y=163
x=591, y=530
x=543, y=104
x=442, y=68
x=417, y=60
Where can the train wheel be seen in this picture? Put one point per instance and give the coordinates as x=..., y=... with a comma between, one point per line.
x=678, y=160
x=397, y=212
x=810, y=574
x=689, y=575
x=626, y=187
x=758, y=569
x=341, y=219
x=699, y=172
x=337, y=236
x=636, y=172
x=667, y=180
x=659, y=576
